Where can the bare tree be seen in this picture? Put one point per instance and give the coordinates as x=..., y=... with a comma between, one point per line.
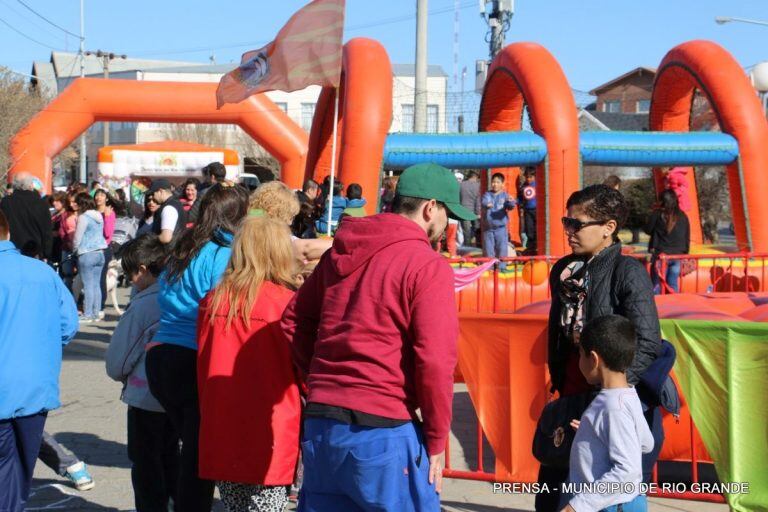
x=209, y=134
x=18, y=104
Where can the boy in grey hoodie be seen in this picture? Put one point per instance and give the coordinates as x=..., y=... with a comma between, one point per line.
x=153, y=445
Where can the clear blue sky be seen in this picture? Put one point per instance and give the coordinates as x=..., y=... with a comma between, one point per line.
x=594, y=40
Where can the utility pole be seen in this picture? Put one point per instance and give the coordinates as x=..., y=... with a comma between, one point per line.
x=498, y=18
x=105, y=58
x=461, y=101
x=83, y=155
x=420, y=94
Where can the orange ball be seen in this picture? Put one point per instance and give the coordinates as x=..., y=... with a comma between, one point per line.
x=535, y=272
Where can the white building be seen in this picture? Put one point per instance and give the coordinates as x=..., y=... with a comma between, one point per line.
x=54, y=76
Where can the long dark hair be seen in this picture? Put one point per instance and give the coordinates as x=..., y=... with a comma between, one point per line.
x=84, y=202
x=602, y=203
x=222, y=207
x=670, y=209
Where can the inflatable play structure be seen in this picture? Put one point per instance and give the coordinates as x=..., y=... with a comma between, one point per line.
x=502, y=356
x=176, y=159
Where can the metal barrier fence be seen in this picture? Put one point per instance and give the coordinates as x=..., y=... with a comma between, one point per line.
x=525, y=279
x=723, y=276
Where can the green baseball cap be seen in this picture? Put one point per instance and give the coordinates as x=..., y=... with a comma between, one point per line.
x=432, y=181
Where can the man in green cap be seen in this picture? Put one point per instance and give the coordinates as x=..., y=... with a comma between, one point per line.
x=373, y=332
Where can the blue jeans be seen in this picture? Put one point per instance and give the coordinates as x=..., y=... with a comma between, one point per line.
x=672, y=276
x=496, y=244
x=361, y=469
x=89, y=266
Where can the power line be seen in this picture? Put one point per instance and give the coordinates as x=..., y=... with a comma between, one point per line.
x=22, y=34
x=47, y=20
x=25, y=17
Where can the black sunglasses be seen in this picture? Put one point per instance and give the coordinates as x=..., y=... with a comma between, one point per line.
x=575, y=225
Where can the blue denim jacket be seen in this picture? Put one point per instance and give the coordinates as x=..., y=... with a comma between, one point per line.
x=89, y=234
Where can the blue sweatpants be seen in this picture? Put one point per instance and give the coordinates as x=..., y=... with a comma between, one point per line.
x=365, y=469
x=496, y=244
x=19, y=443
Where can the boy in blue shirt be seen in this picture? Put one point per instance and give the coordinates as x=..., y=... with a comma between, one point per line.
x=606, y=467
x=495, y=204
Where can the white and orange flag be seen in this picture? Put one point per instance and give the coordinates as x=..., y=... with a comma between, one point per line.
x=306, y=51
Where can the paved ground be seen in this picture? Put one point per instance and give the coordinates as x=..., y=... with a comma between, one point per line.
x=91, y=422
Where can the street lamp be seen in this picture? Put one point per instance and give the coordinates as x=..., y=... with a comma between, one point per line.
x=722, y=20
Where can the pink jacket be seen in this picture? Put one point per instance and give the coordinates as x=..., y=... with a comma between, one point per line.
x=67, y=228
x=677, y=181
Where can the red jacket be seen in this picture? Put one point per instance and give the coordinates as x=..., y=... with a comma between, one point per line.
x=374, y=327
x=249, y=399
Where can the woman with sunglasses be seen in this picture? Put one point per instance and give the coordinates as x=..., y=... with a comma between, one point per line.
x=593, y=281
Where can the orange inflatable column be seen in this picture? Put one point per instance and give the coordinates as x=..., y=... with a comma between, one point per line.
x=365, y=115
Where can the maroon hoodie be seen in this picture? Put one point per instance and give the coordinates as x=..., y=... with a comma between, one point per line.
x=374, y=328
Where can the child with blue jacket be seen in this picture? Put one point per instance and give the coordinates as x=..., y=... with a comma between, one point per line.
x=495, y=203
x=337, y=204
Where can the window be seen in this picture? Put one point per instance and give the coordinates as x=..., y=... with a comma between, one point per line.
x=284, y=106
x=612, y=106
x=406, y=116
x=643, y=106
x=433, y=118
x=307, y=113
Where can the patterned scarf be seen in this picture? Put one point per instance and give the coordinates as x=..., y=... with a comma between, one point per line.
x=573, y=293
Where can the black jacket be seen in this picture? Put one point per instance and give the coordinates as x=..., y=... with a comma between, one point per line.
x=181, y=223
x=29, y=220
x=617, y=285
x=677, y=241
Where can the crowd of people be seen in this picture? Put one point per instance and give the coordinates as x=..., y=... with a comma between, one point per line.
x=251, y=341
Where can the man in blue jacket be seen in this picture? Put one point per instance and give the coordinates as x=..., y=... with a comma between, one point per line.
x=37, y=317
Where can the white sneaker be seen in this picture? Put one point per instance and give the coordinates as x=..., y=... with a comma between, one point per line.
x=101, y=315
x=79, y=475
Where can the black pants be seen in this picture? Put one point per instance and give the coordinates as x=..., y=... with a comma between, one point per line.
x=172, y=376
x=555, y=477
x=107, y=259
x=153, y=447
x=529, y=218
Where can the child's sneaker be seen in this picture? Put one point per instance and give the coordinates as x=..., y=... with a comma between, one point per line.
x=80, y=476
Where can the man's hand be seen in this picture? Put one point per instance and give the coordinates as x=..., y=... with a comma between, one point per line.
x=436, y=464
x=568, y=508
x=575, y=424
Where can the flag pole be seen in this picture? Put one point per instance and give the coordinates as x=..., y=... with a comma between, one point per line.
x=333, y=159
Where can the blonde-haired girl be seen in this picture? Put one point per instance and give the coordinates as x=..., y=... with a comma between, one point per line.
x=249, y=398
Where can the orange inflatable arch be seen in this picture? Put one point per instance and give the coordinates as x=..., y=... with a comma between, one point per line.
x=90, y=100
x=365, y=115
x=527, y=74
x=707, y=67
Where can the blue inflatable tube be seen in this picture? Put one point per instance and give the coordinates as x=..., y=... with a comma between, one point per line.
x=465, y=151
x=646, y=149
x=512, y=149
